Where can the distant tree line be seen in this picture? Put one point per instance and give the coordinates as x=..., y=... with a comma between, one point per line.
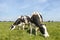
x=6, y=21
x=50, y=21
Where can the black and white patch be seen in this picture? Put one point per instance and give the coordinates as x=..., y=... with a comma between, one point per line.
x=38, y=21
x=22, y=20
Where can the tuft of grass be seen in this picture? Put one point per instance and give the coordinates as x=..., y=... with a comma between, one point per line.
x=6, y=34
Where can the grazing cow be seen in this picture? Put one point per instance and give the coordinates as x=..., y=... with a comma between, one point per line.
x=21, y=21
x=38, y=21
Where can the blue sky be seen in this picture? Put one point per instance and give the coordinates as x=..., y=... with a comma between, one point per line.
x=11, y=9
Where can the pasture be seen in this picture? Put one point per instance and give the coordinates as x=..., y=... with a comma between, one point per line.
x=6, y=34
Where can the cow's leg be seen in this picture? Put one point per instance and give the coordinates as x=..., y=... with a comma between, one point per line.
x=43, y=30
x=30, y=28
x=19, y=27
x=23, y=26
x=36, y=30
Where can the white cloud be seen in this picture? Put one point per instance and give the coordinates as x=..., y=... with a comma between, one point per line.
x=23, y=6
x=3, y=7
x=31, y=3
x=40, y=1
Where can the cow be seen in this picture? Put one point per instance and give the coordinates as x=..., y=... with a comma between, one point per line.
x=37, y=20
x=21, y=21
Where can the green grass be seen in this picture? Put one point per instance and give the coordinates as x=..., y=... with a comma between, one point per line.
x=6, y=34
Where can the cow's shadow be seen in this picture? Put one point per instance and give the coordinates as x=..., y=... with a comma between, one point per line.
x=33, y=31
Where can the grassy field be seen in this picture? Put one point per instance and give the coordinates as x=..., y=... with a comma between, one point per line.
x=6, y=34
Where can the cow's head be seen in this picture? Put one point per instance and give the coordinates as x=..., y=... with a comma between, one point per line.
x=12, y=27
x=43, y=30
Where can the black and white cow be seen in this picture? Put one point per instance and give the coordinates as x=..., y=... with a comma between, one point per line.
x=21, y=21
x=38, y=21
